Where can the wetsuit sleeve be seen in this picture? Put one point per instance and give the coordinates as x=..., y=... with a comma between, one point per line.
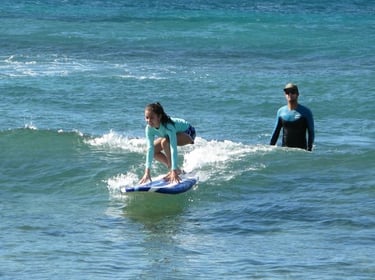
x=172, y=134
x=276, y=131
x=310, y=130
x=150, y=147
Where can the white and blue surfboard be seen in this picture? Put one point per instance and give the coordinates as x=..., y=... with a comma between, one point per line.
x=159, y=185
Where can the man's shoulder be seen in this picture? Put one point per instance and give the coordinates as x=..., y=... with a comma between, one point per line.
x=303, y=109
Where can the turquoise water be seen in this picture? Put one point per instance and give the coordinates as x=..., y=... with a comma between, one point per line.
x=75, y=77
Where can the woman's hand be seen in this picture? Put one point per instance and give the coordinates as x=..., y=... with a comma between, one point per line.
x=172, y=177
x=146, y=177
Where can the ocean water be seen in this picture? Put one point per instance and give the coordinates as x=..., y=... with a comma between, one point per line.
x=75, y=77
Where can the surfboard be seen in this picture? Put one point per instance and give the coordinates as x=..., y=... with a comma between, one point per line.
x=159, y=185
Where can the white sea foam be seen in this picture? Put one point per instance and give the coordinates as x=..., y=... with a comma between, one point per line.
x=52, y=65
x=31, y=126
x=206, y=159
x=114, y=140
x=115, y=183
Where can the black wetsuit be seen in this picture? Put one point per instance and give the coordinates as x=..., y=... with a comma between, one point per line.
x=294, y=124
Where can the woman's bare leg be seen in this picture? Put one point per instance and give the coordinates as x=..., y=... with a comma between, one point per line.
x=158, y=154
x=184, y=139
x=162, y=145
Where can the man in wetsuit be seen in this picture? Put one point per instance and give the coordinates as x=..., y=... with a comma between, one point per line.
x=295, y=119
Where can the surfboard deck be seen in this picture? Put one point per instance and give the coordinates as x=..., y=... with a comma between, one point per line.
x=159, y=185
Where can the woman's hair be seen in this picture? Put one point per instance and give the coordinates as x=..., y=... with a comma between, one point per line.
x=158, y=110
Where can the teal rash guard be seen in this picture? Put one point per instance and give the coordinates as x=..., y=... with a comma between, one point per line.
x=295, y=123
x=169, y=130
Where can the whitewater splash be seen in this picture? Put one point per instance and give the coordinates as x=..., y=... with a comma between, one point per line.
x=113, y=140
x=206, y=158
